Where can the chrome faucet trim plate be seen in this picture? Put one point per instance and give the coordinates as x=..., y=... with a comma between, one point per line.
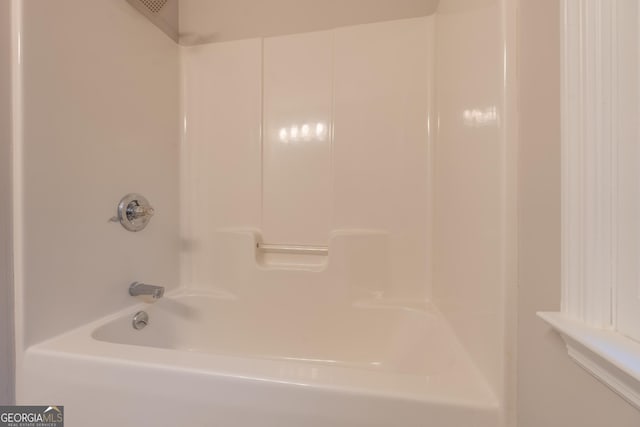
x=134, y=212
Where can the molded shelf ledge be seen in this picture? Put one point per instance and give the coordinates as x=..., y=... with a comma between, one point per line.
x=610, y=356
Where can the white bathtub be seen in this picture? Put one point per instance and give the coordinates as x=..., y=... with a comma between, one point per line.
x=207, y=360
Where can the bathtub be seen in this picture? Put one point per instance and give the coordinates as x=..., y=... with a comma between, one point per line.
x=209, y=359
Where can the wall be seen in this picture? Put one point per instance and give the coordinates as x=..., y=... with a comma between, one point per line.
x=204, y=21
x=100, y=119
x=474, y=217
x=6, y=275
x=552, y=390
x=368, y=87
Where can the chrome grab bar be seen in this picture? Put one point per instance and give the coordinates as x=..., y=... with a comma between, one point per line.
x=293, y=249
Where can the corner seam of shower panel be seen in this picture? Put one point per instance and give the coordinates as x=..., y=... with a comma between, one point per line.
x=17, y=187
x=261, y=130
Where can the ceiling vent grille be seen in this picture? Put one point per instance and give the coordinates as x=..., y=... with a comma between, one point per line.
x=162, y=13
x=154, y=5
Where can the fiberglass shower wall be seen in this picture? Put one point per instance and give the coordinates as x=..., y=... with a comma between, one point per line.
x=98, y=118
x=298, y=136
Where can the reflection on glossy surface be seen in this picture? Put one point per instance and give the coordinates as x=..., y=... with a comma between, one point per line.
x=297, y=133
x=478, y=117
x=284, y=135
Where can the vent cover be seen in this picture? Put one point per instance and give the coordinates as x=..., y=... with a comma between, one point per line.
x=162, y=13
x=154, y=5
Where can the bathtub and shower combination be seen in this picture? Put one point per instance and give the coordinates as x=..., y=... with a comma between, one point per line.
x=315, y=273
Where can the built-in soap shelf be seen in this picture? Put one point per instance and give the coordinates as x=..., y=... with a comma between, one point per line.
x=353, y=264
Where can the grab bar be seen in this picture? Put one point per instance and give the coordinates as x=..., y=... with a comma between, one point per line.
x=293, y=249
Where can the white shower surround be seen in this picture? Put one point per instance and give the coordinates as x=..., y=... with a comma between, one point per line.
x=75, y=365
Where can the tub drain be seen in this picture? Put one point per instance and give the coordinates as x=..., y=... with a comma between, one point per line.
x=140, y=320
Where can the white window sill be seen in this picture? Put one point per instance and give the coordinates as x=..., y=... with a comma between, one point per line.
x=609, y=356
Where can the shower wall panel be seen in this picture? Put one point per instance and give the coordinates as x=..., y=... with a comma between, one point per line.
x=221, y=155
x=474, y=179
x=297, y=136
x=100, y=121
x=381, y=168
x=297, y=185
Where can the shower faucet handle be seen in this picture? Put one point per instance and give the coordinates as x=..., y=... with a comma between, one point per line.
x=134, y=212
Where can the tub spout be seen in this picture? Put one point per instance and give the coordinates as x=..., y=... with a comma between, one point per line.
x=140, y=289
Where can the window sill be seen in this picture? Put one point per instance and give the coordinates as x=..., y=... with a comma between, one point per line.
x=609, y=356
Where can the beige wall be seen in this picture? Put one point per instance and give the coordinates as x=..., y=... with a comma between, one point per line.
x=222, y=20
x=6, y=276
x=552, y=390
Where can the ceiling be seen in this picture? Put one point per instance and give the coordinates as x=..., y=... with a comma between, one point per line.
x=204, y=21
